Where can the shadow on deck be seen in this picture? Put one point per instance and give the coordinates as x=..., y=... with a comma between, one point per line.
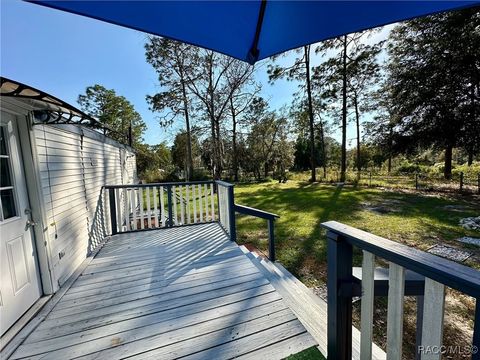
x=170, y=293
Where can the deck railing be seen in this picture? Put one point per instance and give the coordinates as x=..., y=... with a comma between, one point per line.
x=270, y=223
x=226, y=215
x=151, y=206
x=136, y=207
x=438, y=273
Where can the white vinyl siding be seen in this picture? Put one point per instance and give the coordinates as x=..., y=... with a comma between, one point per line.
x=73, y=168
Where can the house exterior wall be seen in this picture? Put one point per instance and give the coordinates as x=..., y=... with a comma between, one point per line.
x=74, y=163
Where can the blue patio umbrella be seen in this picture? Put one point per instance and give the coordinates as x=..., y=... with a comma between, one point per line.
x=253, y=30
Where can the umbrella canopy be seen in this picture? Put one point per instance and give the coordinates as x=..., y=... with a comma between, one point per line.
x=253, y=30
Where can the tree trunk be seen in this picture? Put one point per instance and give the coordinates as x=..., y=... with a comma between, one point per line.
x=122, y=130
x=448, y=162
x=130, y=134
x=357, y=120
x=310, y=113
x=343, y=166
x=219, y=149
x=214, y=160
x=234, y=142
x=390, y=150
x=324, y=154
x=470, y=157
x=472, y=101
x=187, y=126
x=214, y=123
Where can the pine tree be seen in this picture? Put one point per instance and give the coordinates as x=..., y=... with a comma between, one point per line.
x=434, y=72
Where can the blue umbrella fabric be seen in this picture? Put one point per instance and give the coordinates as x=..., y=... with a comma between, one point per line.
x=253, y=30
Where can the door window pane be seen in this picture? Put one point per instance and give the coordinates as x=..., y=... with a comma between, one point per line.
x=3, y=142
x=8, y=203
x=5, y=177
x=7, y=192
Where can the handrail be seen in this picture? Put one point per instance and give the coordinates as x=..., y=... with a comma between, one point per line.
x=270, y=217
x=134, y=207
x=452, y=274
x=200, y=182
x=126, y=186
x=438, y=272
x=255, y=212
x=223, y=183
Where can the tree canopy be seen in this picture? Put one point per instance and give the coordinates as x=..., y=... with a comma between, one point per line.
x=411, y=92
x=433, y=78
x=115, y=112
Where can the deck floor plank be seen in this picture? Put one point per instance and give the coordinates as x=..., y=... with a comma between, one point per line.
x=133, y=309
x=156, y=288
x=178, y=292
x=158, y=294
x=141, y=282
x=126, y=332
x=264, y=294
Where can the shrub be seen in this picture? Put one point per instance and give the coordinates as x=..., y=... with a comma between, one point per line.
x=151, y=176
x=200, y=174
x=408, y=167
x=470, y=172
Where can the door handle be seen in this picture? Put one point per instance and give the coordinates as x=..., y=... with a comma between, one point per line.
x=29, y=224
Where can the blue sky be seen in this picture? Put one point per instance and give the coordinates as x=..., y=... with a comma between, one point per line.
x=62, y=54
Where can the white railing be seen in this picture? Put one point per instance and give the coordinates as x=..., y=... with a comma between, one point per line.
x=151, y=206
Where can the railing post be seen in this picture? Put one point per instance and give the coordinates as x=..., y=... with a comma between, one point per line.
x=476, y=332
x=339, y=281
x=170, y=206
x=461, y=181
x=419, y=324
x=271, y=239
x=231, y=214
x=113, y=210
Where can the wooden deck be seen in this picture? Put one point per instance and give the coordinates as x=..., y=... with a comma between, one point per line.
x=185, y=292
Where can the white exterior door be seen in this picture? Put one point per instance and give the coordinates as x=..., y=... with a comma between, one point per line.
x=20, y=281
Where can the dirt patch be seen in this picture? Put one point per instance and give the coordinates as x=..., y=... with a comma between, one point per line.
x=456, y=208
x=458, y=323
x=321, y=291
x=252, y=248
x=470, y=198
x=384, y=207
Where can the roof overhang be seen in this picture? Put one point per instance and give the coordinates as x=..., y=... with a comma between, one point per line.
x=47, y=108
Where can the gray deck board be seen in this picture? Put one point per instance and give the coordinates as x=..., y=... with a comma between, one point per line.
x=169, y=293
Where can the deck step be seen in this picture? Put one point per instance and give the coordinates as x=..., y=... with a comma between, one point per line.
x=310, y=309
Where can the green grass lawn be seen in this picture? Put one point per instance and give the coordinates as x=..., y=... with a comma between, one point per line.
x=309, y=354
x=420, y=220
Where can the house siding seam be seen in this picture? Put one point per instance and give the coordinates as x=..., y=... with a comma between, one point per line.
x=74, y=164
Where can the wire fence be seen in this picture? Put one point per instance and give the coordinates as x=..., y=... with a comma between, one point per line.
x=460, y=182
